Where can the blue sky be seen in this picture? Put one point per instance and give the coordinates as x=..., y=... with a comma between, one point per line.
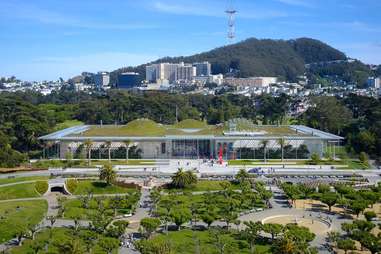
x=47, y=39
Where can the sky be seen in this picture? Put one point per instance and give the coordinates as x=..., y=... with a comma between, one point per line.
x=48, y=39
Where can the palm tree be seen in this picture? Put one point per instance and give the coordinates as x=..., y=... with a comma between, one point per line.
x=264, y=144
x=282, y=143
x=183, y=178
x=127, y=145
x=88, y=144
x=108, y=145
x=107, y=173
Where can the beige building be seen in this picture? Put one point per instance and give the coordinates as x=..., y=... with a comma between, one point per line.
x=258, y=82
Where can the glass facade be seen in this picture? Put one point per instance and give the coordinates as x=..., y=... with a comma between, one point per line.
x=192, y=149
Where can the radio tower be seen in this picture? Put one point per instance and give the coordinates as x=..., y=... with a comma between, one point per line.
x=231, y=12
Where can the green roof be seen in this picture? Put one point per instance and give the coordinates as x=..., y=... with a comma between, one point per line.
x=189, y=127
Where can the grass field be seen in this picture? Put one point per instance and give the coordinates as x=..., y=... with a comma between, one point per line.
x=95, y=187
x=67, y=124
x=20, y=215
x=349, y=163
x=75, y=207
x=58, y=240
x=205, y=185
x=183, y=242
x=84, y=163
x=23, y=190
x=22, y=179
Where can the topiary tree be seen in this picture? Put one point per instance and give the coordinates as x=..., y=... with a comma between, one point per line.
x=346, y=245
x=149, y=225
x=330, y=199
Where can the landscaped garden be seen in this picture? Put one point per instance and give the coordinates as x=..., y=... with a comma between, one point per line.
x=88, y=206
x=19, y=217
x=23, y=190
x=66, y=240
x=83, y=187
x=21, y=179
x=205, y=185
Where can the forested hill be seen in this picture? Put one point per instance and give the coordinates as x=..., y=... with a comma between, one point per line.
x=266, y=57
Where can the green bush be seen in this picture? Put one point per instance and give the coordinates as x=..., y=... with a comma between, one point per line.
x=41, y=187
x=364, y=158
x=315, y=159
x=370, y=215
x=71, y=185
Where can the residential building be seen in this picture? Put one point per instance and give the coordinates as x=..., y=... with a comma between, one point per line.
x=185, y=72
x=203, y=69
x=374, y=82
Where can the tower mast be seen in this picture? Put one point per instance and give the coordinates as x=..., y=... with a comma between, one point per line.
x=231, y=12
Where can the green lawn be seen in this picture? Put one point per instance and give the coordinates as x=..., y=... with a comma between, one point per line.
x=23, y=190
x=22, y=179
x=19, y=215
x=206, y=185
x=183, y=242
x=77, y=207
x=67, y=124
x=96, y=187
x=131, y=162
x=58, y=240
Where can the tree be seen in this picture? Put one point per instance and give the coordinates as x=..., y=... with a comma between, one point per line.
x=108, y=146
x=242, y=175
x=251, y=232
x=273, y=229
x=364, y=159
x=183, y=179
x=210, y=215
x=264, y=145
x=127, y=144
x=371, y=242
x=284, y=246
x=88, y=144
x=108, y=244
x=149, y=225
x=330, y=199
x=333, y=236
x=282, y=143
x=346, y=244
x=180, y=215
x=357, y=206
x=107, y=173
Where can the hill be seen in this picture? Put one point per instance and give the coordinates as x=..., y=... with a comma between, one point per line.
x=254, y=57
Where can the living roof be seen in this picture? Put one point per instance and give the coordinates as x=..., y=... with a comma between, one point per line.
x=145, y=128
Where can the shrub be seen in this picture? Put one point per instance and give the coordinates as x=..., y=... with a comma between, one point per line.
x=71, y=185
x=370, y=215
x=315, y=159
x=41, y=187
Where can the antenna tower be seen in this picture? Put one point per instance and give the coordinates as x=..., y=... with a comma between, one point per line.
x=231, y=12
